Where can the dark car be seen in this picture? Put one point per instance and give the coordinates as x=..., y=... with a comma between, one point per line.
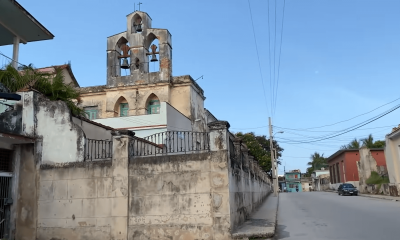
x=347, y=189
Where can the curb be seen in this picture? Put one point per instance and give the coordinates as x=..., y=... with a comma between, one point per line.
x=371, y=196
x=268, y=234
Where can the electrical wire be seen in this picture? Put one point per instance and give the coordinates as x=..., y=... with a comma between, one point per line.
x=269, y=57
x=307, y=129
x=13, y=60
x=258, y=57
x=279, y=58
x=273, y=83
x=352, y=117
x=351, y=128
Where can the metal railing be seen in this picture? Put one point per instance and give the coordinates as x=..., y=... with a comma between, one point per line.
x=97, y=149
x=170, y=142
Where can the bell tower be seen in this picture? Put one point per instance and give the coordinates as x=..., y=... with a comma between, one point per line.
x=130, y=53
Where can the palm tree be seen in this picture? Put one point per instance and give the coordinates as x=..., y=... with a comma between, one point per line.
x=52, y=86
x=368, y=142
x=317, y=162
x=354, y=144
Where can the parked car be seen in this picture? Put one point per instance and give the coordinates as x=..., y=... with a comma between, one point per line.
x=347, y=188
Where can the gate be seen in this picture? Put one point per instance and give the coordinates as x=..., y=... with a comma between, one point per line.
x=5, y=201
x=5, y=192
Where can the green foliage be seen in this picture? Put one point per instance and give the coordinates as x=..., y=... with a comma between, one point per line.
x=259, y=147
x=354, y=144
x=375, y=178
x=318, y=161
x=365, y=142
x=52, y=86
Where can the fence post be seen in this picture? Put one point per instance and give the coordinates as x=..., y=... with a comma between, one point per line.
x=120, y=183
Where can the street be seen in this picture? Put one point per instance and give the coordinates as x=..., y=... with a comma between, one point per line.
x=326, y=215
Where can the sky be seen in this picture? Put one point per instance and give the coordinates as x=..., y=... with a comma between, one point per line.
x=338, y=60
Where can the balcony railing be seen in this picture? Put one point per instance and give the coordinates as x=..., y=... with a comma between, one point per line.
x=170, y=142
x=97, y=150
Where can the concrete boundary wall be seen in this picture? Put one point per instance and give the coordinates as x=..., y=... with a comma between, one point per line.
x=184, y=196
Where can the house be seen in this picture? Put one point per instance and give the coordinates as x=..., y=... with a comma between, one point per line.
x=316, y=180
x=343, y=167
x=392, y=156
x=17, y=26
x=138, y=97
x=293, y=181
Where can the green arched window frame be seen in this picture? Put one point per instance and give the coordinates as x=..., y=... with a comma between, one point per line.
x=153, y=107
x=124, y=108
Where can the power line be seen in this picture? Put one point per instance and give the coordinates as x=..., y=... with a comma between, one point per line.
x=352, y=117
x=258, y=57
x=12, y=59
x=279, y=58
x=307, y=129
x=269, y=57
x=351, y=128
x=273, y=83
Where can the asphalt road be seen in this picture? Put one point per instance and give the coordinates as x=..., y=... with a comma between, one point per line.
x=325, y=215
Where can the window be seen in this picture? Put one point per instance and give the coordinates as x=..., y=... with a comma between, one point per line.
x=153, y=107
x=91, y=113
x=5, y=160
x=123, y=109
x=292, y=186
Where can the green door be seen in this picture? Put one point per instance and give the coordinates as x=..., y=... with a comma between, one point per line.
x=124, y=109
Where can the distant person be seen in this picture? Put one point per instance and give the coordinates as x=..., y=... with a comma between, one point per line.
x=297, y=188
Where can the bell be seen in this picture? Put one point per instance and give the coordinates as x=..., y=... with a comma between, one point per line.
x=153, y=58
x=125, y=64
x=139, y=27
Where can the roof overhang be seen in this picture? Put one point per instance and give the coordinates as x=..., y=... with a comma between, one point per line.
x=16, y=21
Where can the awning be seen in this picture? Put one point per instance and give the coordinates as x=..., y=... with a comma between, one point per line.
x=16, y=21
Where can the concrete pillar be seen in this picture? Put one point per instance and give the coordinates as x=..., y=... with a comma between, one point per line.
x=219, y=138
x=120, y=162
x=15, y=52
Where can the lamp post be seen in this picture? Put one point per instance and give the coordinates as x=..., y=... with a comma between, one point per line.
x=273, y=163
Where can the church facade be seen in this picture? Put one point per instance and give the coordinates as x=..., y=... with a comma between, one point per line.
x=135, y=98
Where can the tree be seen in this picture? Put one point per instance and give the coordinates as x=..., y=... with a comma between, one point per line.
x=354, y=144
x=52, y=86
x=318, y=161
x=259, y=147
x=365, y=142
x=368, y=141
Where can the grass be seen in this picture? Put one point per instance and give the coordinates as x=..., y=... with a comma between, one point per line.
x=375, y=178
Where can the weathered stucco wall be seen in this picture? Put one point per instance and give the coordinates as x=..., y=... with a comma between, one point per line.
x=179, y=197
x=248, y=184
x=65, y=146
x=392, y=156
x=86, y=200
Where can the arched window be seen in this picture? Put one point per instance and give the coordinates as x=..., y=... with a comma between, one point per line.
x=153, y=104
x=154, y=63
x=122, y=47
x=121, y=108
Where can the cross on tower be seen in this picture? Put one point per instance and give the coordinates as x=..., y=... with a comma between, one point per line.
x=139, y=5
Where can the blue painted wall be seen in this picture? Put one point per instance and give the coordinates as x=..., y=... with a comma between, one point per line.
x=292, y=180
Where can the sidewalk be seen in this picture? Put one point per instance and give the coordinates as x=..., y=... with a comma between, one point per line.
x=261, y=224
x=385, y=197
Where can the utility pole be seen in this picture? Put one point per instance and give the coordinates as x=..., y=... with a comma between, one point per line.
x=273, y=170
